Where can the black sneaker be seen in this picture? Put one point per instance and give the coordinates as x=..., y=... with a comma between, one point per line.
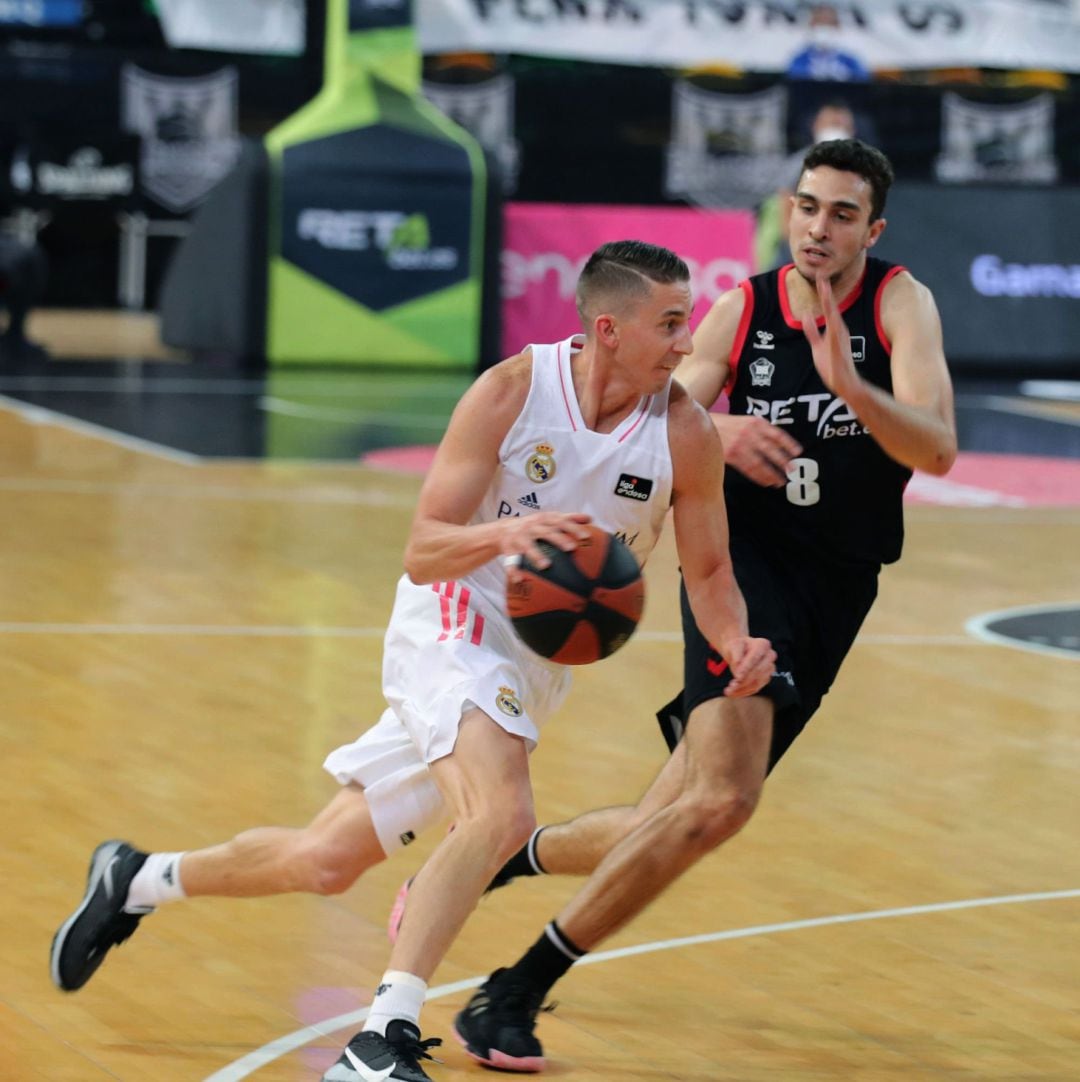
x=100, y=922
x=496, y=1026
x=371, y=1057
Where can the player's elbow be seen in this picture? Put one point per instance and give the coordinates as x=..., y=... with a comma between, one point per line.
x=417, y=568
x=943, y=458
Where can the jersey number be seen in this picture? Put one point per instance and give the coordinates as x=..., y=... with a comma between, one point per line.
x=802, y=486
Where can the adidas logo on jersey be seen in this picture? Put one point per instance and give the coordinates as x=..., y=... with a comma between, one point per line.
x=530, y=502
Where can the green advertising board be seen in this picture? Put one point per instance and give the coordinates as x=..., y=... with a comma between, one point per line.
x=376, y=210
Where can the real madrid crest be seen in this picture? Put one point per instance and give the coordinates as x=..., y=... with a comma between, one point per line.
x=540, y=466
x=508, y=702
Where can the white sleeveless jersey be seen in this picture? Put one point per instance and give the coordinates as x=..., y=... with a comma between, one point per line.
x=550, y=461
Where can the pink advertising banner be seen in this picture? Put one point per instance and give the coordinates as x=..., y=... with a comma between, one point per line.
x=546, y=245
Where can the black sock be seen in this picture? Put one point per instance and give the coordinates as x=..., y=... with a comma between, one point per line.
x=547, y=959
x=523, y=862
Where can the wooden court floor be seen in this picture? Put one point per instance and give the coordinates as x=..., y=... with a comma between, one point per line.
x=181, y=644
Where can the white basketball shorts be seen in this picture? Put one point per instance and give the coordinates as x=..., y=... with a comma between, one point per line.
x=447, y=648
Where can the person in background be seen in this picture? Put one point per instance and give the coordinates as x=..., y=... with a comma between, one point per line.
x=822, y=60
x=23, y=271
x=834, y=119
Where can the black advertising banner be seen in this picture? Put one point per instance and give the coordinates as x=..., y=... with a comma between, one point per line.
x=99, y=167
x=379, y=214
x=1003, y=264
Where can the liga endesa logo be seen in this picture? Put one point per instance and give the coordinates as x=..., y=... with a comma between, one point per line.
x=521, y=272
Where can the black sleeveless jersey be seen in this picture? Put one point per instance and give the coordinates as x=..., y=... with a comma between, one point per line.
x=843, y=497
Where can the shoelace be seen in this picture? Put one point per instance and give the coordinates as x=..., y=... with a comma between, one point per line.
x=417, y=1050
x=514, y=996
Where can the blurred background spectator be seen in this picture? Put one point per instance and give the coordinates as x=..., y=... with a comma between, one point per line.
x=823, y=59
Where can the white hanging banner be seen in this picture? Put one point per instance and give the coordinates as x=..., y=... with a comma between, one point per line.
x=759, y=35
x=188, y=128
x=1013, y=142
x=726, y=150
x=486, y=111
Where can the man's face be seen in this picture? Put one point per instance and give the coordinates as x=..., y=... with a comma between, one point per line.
x=654, y=335
x=830, y=222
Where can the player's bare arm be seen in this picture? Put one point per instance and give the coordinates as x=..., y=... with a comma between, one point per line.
x=915, y=424
x=701, y=537
x=752, y=446
x=441, y=544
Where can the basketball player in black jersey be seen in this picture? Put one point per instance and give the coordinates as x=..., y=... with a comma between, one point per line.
x=838, y=389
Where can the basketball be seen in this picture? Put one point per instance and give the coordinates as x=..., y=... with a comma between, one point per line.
x=584, y=605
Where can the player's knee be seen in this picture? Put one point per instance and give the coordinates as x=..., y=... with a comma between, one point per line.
x=711, y=819
x=332, y=868
x=502, y=826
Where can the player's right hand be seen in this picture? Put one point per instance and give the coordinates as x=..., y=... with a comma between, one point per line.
x=756, y=448
x=752, y=662
x=520, y=534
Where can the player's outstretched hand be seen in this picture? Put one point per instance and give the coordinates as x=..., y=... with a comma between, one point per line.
x=519, y=535
x=752, y=662
x=757, y=449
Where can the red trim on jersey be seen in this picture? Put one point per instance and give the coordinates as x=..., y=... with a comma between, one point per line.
x=444, y=607
x=883, y=338
x=741, y=333
x=446, y=591
x=562, y=384
x=640, y=418
x=785, y=304
x=462, y=612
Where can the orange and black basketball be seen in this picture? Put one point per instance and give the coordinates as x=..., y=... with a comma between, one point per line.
x=584, y=605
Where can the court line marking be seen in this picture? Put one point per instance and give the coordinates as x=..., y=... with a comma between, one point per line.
x=344, y=415
x=332, y=493
x=444, y=387
x=39, y=415
x=977, y=627
x=1001, y=404
x=302, y=631
x=260, y=1057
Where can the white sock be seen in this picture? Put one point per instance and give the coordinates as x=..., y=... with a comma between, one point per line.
x=156, y=882
x=399, y=995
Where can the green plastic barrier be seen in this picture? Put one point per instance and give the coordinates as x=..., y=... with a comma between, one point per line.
x=376, y=210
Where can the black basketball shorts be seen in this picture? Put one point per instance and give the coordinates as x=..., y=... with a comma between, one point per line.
x=808, y=608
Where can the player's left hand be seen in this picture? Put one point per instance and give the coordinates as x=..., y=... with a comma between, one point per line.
x=752, y=663
x=831, y=347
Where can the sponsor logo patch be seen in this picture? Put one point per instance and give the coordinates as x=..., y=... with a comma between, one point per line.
x=634, y=488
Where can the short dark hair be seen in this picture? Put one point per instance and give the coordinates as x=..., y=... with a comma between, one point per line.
x=624, y=268
x=855, y=156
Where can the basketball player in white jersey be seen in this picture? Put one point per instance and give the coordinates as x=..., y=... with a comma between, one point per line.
x=589, y=429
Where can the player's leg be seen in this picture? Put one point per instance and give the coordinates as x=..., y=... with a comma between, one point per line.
x=726, y=758
x=125, y=884
x=577, y=846
x=574, y=847
x=325, y=857
x=484, y=782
